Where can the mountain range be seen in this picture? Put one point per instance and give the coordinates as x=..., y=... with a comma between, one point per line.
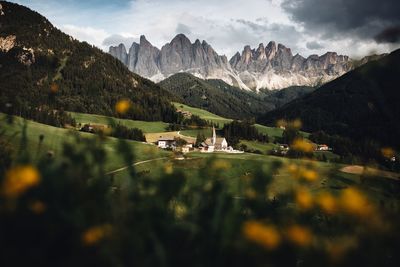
x=268, y=67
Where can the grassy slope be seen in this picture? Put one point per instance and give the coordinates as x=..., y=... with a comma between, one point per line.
x=263, y=147
x=54, y=138
x=145, y=126
x=203, y=114
x=271, y=131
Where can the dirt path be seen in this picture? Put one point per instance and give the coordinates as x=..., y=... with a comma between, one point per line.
x=134, y=164
x=357, y=169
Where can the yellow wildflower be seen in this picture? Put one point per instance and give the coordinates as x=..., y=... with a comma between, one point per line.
x=327, y=203
x=95, y=234
x=123, y=106
x=54, y=88
x=37, y=207
x=299, y=235
x=262, y=234
x=221, y=165
x=281, y=123
x=304, y=199
x=168, y=169
x=20, y=179
x=251, y=193
x=302, y=145
x=296, y=124
x=354, y=202
x=309, y=175
x=387, y=152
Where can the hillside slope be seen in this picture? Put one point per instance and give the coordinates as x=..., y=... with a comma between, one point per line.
x=40, y=65
x=225, y=100
x=362, y=104
x=216, y=97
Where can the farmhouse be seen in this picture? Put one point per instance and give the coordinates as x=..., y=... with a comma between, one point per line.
x=166, y=142
x=323, y=148
x=214, y=144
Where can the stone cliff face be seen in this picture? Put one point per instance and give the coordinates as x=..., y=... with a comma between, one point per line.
x=271, y=67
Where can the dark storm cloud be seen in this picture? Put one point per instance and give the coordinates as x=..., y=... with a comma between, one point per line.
x=389, y=35
x=360, y=18
x=314, y=45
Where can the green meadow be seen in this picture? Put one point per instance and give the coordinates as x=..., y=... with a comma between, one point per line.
x=54, y=138
x=145, y=126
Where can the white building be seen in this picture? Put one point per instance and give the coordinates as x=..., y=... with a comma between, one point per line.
x=166, y=142
x=214, y=144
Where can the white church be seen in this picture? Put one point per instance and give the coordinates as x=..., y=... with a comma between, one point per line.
x=215, y=144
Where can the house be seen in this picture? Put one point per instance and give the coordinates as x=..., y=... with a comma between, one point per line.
x=214, y=144
x=166, y=142
x=322, y=148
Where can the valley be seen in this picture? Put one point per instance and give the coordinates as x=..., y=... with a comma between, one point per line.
x=180, y=156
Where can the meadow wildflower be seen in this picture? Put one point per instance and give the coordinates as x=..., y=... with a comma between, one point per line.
x=264, y=235
x=37, y=207
x=304, y=199
x=355, y=203
x=327, y=202
x=95, y=234
x=123, y=106
x=20, y=179
x=302, y=145
x=299, y=235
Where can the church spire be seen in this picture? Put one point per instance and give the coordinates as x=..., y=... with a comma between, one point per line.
x=214, y=137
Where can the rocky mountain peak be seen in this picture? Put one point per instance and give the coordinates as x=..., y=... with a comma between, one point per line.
x=272, y=66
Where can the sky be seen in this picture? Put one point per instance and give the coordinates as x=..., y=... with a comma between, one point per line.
x=351, y=27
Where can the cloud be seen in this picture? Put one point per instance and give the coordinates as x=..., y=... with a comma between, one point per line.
x=119, y=39
x=88, y=34
x=261, y=30
x=314, y=45
x=389, y=35
x=182, y=28
x=343, y=18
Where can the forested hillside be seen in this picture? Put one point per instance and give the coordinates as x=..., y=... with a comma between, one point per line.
x=362, y=104
x=41, y=66
x=225, y=100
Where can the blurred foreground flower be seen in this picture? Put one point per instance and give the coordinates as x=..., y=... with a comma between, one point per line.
x=354, y=202
x=387, y=152
x=304, y=199
x=220, y=164
x=302, y=145
x=95, y=234
x=37, y=207
x=299, y=235
x=123, y=106
x=327, y=203
x=19, y=179
x=264, y=235
x=54, y=88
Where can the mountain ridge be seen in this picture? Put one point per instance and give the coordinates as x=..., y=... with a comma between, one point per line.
x=268, y=67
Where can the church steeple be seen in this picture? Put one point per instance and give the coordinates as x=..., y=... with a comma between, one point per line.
x=214, y=137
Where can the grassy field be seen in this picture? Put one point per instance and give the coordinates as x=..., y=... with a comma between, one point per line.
x=145, y=126
x=193, y=132
x=203, y=114
x=243, y=166
x=54, y=138
x=255, y=145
